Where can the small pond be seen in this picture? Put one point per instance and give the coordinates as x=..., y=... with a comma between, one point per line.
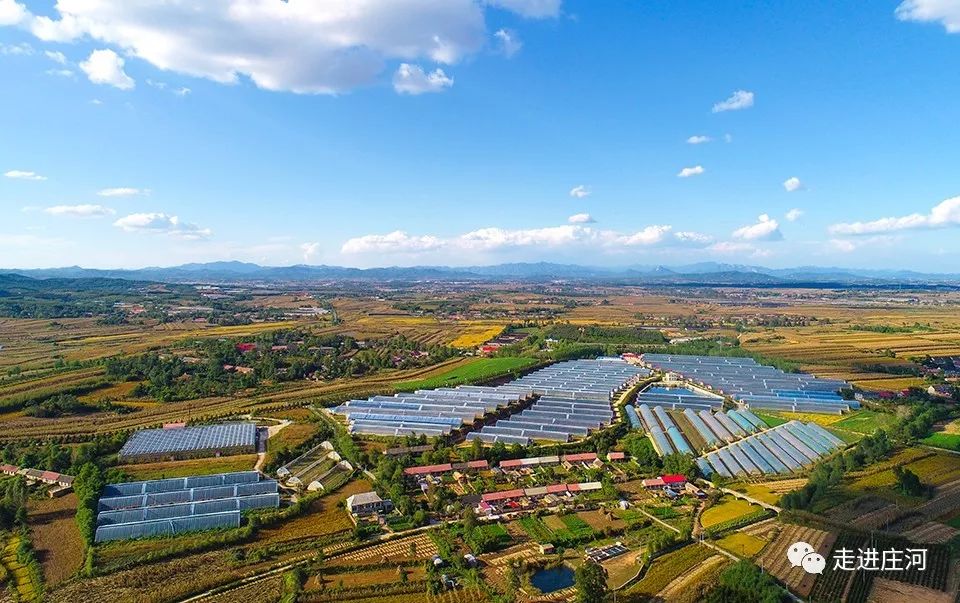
x=553, y=579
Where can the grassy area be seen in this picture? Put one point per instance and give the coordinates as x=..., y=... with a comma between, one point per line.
x=866, y=421
x=950, y=441
x=224, y=464
x=477, y=370
x=770, y=419
x=728, y=509
x=744, y=545
x=849, y=437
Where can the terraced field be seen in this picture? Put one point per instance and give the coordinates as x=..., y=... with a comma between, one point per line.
x=408, y=548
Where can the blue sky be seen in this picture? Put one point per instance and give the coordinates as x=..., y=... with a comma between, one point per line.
x=406, y=132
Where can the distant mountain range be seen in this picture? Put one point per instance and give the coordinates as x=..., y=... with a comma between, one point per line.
x=705, y=273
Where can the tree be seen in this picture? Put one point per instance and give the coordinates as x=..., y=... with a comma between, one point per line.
x=591, y=582
x=908, y=482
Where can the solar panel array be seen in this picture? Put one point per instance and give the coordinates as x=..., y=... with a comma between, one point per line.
x=782, y=449
x=172, y=506
x=151, y=442
x=575, y=400
x=430, y=412
x=756, y=385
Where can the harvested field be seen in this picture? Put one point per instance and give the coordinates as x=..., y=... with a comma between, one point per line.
x=408, y=548
x=666, y=568
x=55, y=536
x=623, y=568
x=325, y=517
x=891, y=591
x=774, y=557
x=262, y=591
x=931, y=532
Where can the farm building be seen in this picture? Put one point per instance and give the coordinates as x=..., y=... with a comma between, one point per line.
x=190, y=442
x=664, y=481
x=446, y=468
x=368, y=503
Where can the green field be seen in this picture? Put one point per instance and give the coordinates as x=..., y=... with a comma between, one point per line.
x=478, y=370
x=769, y=419
x=866, y=422
x=950, y=441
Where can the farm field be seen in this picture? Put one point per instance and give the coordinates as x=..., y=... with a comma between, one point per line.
x=866, y=422
x=891, y=591
x=475, y=336
x=727, y=510
x=56, y=539
x=326, y=516
x=689, y=587
x=664, y=569
x=774, y=557
x=935, y=469
x=204, y=466
x=940, y=439
x=22, y=580
x=742, y=544
x=769, y=492
x=472, y=370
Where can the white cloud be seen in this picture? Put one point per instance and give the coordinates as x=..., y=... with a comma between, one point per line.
x=96, y=101
x=792, y=184
x=106, y=67
x=728, y=137
x=412, y=79
x=691, y=171
x=12, y=12
x=946, y=213
x=581, y=219
x=574, y=236
x=507, y=41
x=580, y=191
x=732, y=247
x=56, y=56
x=741, y=99
x=79, y=211
x=851, y=245
x=395, y=242
x=794, y=214
x=122, y=191
x=766, y=229
x=156, y=84
x=698, y=139
x=533, y=9
x=21, y=50
x=162, y=223
x=946, y=12
x=693, y=239
x=182, y=91
x=60, y=72
x=24, y=175
x=300, y=46
x=309, y=250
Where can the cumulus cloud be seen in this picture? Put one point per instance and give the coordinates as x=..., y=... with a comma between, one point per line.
x=944, y=214
x=106, y=67
x=690, y=171
x=79, y=211
x=24, y=175
x=698, y=139
x=947, y=12
x=507, y=42
x=412, y=79
x=576, y=235
x=766, y=229
x=581, y=219
x=533, y=9
x=580, y=191
x=122, y=191
x=12, y=12
x=296, y=46
x=162, y=223
x=309, y=250
x=794, y=214
x=792, y=184
x=741, y=99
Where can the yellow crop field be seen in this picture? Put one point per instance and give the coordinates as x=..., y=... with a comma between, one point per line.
x=743, y=545
x=475, y=336
x=727, y=509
